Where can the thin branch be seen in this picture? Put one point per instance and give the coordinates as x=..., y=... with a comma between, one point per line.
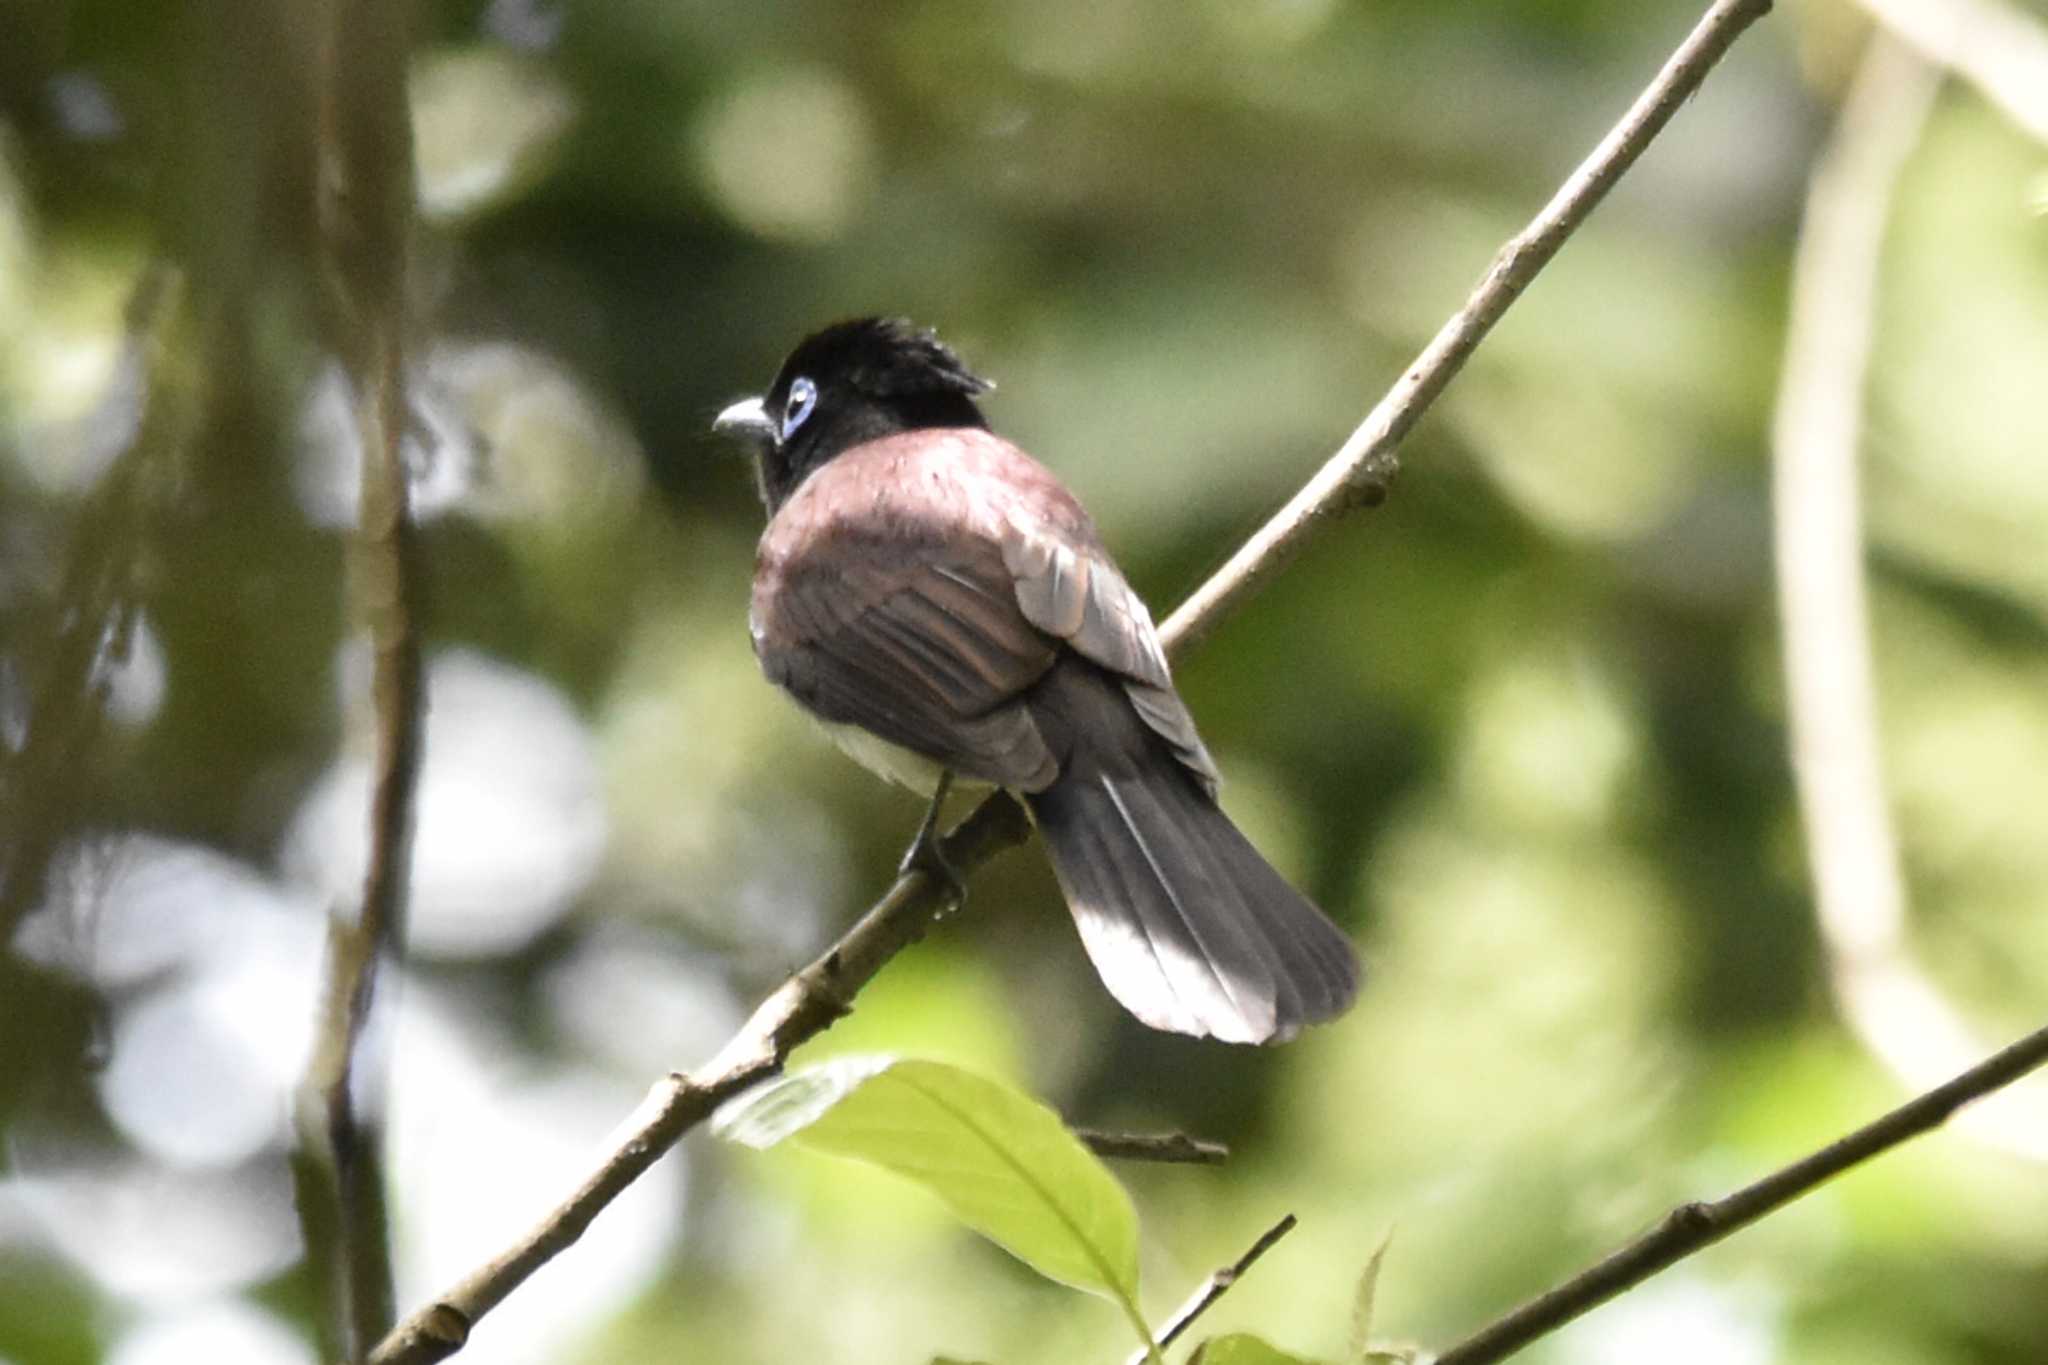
x=1364, y=466
x=2000, y=49
x=1215, y=1287
x=1691, y=1227
x=808, y=1002
x=1860, y=898
x=1168, y=1149
x=1824, y=617
x=801, y=1008
x=364, y=187
x=67, y=649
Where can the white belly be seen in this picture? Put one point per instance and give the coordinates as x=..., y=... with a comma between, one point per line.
x=891, y=762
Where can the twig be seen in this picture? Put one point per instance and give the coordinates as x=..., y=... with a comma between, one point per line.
x=1364, y=466
x=803, y=1007
x=1215, y=1287
x=808, y=1002
x=1165, y=1148
x=1860, y=897
x=1998, y=48
x=1691, y=1227
x=68, y=648
x=364, y=186
x=1823, y=612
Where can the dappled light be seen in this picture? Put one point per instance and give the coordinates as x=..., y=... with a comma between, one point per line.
x=274, y=427
x=510, y=826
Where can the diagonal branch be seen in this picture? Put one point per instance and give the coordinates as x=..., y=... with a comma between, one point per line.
x=801, y=1008
x=808, y=1002
x=1859, y=890
x=1363, y=467
x=1692, y=1227
x=1216, y=1286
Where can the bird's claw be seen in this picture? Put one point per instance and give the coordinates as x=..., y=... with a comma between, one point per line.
x=927, y=852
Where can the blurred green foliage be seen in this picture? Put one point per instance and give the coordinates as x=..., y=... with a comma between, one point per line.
x=1520, y=730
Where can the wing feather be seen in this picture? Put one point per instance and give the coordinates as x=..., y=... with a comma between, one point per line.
x=926, y=650
x=1079, y=596
x=921, y=617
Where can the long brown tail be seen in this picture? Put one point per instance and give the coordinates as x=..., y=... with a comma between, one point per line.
x=1190, y=928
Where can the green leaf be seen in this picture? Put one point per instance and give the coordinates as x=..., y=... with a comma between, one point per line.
x=1362, y=1304
x=1001, y=1161
x=1241, y=1348
x=789, y=1104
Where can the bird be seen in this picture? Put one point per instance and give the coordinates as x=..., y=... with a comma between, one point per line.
x=946, y=608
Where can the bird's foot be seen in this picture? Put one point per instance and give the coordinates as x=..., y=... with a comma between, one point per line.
x=927, y=852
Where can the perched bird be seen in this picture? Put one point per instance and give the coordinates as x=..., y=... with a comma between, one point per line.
x=946, y=608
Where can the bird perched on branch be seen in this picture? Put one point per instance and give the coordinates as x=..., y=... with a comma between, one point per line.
x=946, y=608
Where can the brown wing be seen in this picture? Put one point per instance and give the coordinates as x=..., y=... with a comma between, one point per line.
x=913, y=637
x=1068, y=587
x=918, y=586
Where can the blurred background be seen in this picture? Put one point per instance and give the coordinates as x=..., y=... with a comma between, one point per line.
x=1521, y=730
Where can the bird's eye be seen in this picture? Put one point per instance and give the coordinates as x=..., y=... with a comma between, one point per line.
x=803, y=396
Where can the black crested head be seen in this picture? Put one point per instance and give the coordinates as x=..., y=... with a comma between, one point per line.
x=848, y=384
x=882, y=358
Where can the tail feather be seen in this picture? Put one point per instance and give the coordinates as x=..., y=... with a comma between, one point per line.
x=1140, y=940
x=1172, y=884
x=1189, y=927
x=1229, y=865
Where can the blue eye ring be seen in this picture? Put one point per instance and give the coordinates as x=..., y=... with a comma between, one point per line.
x=796, y=409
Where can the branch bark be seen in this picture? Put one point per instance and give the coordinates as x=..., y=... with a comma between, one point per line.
x=1692, y=1227
x=1168, y=1149
x=1215, y=1287
x=1357, y=475
x=364, y=191
x=1361, y=471
x=1860, y=892
x=801, y=1008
